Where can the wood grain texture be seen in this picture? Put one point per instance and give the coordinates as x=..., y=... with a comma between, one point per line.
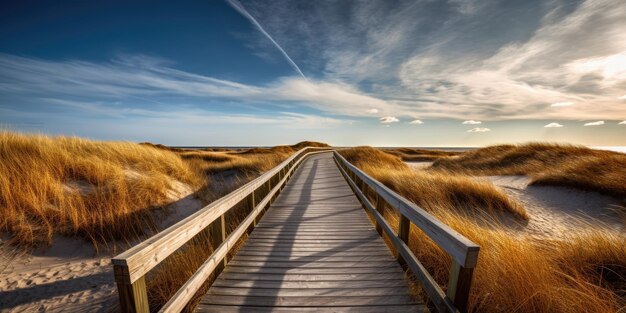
x=314, y=250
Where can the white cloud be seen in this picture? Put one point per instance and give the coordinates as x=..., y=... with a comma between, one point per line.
x=479, y=130
x=598, y=123
x=562, y=104
x=146, y=78
x=472, y=122
x=520, y=76
x=622, y=123
x=372, y=111
x=388, y=119
x=553, y=125
x=418, y=122
x=197, y=115
x=622, y=97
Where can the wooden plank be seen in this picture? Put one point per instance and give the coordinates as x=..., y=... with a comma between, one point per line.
x=311, y=277
x=309, y=284
x=299, y=254
x=310, y=270
x=362, y=309
x=307, y=264
x=308, y=301
x=314, y=249
x=309, y=292
x=313, y=258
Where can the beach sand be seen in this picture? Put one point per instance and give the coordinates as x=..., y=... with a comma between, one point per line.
x=556, y=211
x=69, y=275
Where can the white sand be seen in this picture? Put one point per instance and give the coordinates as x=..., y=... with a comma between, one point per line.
x=69, y=276
x=419, y=165
x=556, y=211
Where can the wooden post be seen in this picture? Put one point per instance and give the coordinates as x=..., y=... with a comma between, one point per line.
x=218, y=235
x=379, y=207
x=133, y=296
x=459, y=285
x=404, y=226
x=252, y=201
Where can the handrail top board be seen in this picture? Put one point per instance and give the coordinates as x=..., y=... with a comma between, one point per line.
x=461, y=249
x=146, y=255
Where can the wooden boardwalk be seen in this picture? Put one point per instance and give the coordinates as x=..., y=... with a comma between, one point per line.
x=314, y=250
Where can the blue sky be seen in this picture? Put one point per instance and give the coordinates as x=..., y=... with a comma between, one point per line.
x=405, y=73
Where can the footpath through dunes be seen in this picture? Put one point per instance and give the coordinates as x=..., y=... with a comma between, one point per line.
x=314, y=250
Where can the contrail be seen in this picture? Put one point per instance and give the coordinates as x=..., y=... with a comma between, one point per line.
x=239, y=7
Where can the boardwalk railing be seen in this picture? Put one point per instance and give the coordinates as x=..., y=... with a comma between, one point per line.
x=131, y=266
x=464, y=253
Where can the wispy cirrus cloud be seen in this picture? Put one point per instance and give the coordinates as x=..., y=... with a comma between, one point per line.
x=407, y=52
x=406, y=59
x=149, y=79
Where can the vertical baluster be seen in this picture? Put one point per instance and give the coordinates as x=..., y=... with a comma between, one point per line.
x=459, y=285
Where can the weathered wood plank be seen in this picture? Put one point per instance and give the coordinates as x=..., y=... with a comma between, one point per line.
x=362, y=309
x=309, y=284
x=312, y=292
x=309, y=301
x=309, y=270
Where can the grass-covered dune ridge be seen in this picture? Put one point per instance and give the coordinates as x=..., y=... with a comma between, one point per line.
x=433, y=189
x=105, y=191
x=553, y=164
x=72, y=186
x=581, y=272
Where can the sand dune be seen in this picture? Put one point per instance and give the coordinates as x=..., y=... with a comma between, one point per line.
x=69, y=275
x=557, y=211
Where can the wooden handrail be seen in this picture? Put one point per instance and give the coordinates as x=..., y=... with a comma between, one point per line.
x=131, y=266
x=464, y=252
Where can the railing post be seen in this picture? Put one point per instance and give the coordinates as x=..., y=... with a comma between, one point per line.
x=218, y=235
x=252, y=206
x=133, y=296
x=459, y=285
x=380, y=207
x=404, y=226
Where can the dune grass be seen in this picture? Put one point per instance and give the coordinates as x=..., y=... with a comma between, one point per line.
x=106, y=192
x=548, y=164
x=582, y=272
x=434, y=189
x=97, y=190
x=420, y=155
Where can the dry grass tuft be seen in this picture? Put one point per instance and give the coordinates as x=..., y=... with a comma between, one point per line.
x=420, y=155
x=434, y=189
x=584, y=272
x=70, y=186
x=550, y=164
